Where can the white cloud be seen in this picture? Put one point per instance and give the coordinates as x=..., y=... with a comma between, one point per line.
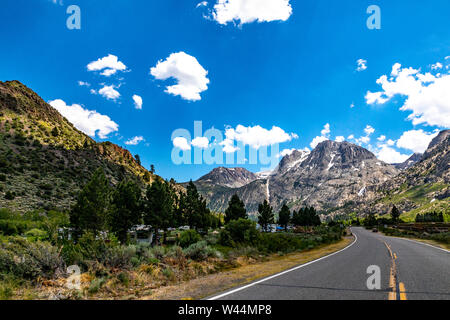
x=416, y=140
x=189, y=74
x=248, y=11
x=134, y=141
x=228, y=146
x=437, y=66
x=202, y=4
x=381, y=138
x=390, y=155
x=351, y=137
x=256, y=137
x=326, y=130
x=427, y=95
x=352, y=105
x=200, y=142
x=182, y=143
x=288, y=152
x=325, y=135
x=340, y=139
x=363, y=140
x=88, y=121
x=109, y=64
x=84, y=84
x=390, y=142
x=369, y=130
x=109, y=92
x=362, y=65
x=317, y=140
x=137, y=102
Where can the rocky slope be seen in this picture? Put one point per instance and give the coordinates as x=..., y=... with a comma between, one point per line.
x=416, y=157
x=423, y=187
x=44, y=159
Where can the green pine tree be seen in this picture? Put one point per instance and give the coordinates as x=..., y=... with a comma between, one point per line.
x=266, y=216
x=195, y=211
x=235, y=210
x=284, y=216
x=90, y=211
x=126, y=209
x=395, y=214
x=159, y=207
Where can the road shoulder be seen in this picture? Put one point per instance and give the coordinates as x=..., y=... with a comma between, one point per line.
x=221, y=282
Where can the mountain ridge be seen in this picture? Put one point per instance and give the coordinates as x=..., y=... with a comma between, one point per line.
x=302, y=178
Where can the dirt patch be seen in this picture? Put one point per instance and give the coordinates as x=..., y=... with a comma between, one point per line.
x=212, y=284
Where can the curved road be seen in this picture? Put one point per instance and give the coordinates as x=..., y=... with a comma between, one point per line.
x=408, y=271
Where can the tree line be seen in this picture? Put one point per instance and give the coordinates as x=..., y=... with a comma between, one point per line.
x=100, y=207
x=304, y=217
x=103, y=208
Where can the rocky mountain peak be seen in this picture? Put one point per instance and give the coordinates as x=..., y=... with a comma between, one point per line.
x=229, y=177
x=291, y=161
x=331, y=154
x=439, y=143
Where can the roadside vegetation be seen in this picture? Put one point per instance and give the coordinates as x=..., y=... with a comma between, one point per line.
x=431, y=226
x=184, y=241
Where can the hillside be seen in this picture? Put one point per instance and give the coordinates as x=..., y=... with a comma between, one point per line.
x=423, y=187
x=44, y=159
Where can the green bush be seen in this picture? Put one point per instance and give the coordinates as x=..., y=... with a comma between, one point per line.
x=6, y=292
x=239, y=232
x=96, y=285
x=441, y=237
x=282, y=242
x=30, y=260
x=201, y=251
x=9, y=195
x=8, y=228
x=123, y=278
x=188, y=238
x=6, y=214
x=36, y=234
x=108, y=252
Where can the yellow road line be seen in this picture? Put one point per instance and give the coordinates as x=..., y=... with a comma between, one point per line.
x=393, y=292
x=393, y=278
x=402, y=291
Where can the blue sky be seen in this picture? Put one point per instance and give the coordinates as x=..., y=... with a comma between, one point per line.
x=287, y=75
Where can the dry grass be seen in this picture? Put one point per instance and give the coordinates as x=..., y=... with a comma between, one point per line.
x=247, y=272
x=430, y=242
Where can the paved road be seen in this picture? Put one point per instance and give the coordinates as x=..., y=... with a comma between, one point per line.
x=409, y=270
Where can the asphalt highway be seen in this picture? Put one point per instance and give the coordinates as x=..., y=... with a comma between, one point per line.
x=408, y=270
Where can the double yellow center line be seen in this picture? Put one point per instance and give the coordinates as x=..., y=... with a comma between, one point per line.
x=393, y=281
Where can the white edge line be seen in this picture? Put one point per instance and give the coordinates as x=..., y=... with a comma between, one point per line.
x=425, y=244
x=281, y=273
